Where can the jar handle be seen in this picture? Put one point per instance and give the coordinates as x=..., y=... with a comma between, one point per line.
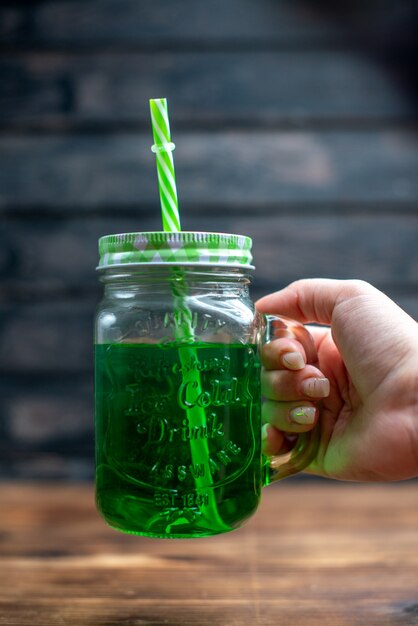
x=306, y=445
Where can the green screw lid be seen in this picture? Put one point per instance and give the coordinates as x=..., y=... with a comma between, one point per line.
x=175, y=248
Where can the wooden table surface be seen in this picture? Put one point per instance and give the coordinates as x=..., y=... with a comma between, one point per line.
x=329, y=554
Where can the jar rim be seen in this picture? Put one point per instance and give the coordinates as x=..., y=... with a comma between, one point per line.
x=183, y=248
x=203, y=266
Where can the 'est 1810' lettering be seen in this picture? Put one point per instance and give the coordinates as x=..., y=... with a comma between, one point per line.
x=175, y=500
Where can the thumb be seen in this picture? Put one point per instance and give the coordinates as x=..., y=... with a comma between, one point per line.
x=373, y=334
x=313, y=299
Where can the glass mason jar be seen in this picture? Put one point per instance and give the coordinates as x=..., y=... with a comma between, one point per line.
x=177, y=386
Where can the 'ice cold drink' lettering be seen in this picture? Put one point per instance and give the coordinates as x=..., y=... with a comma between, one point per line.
x=221, y=394
x=186, y=429
x=160, y=429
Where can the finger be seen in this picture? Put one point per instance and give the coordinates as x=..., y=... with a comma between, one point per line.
x=311, y=300
x=276, y=442
x=284, y=385
x=283, y=354
x=273, y=440
x=284, y=327
x=318, y=333
x=292, y=417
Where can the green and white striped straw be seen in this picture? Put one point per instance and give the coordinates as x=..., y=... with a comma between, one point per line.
x=163, y=148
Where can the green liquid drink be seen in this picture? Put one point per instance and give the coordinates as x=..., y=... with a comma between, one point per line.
x=178, y=425
x=178, y=443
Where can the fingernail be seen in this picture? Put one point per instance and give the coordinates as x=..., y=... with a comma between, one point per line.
x=264, y=439
x=264, y=433
x=303, y=415
x=293, y=360
x=316, y=387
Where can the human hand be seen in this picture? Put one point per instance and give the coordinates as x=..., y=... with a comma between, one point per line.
x=366, y=379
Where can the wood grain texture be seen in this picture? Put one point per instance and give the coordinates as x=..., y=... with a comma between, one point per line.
x=204, y=89
x=295, y=122
x=163, y=23
x=313, y=555
x=49, y=414
x=48, y=336
x=54, y=253
x=237, y=168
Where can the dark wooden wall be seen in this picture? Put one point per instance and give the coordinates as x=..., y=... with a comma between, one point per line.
x=295, y=123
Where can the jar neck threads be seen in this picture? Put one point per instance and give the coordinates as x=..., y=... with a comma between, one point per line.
x=161, y=279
